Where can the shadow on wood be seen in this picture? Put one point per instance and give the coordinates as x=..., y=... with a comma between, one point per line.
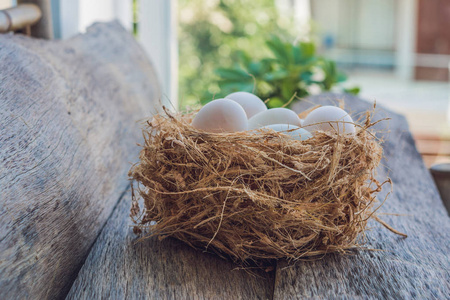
x=120, y=268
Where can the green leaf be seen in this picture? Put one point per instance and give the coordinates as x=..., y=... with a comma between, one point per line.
x=329, y=68
x=282, y=51
x=288, y=89
x=297, y=70
x=243, y=57
x=276, y=75
x=232, y=74
x=205, y=100
x=354, y=90
x=297, y=54
x=308, y=50
x=275, y=102
x=258, y=69
x=236, y=86
x=301, y=93
x=269, y=61
x=289, y=70
x=304, y=53
x=341, y=77
x=306, y=74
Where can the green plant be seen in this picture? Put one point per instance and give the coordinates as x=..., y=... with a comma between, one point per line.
x=291, y=70
x=211, y=31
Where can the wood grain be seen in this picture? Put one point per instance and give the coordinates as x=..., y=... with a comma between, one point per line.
x=68, y=132
x=120, y=268
x=417, y=267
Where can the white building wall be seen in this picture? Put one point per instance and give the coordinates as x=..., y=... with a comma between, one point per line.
x=359, y=24
x=325, y=16
x=376, y=24
x=5, y=4
x=77, y=15
x=157, y=33
x=406, y=38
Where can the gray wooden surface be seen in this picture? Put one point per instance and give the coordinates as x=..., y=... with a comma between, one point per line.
x=68, y=132
x=417, y=267
x=412, y=268
x=120, y=268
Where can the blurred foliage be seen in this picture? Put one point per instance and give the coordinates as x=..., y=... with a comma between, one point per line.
x=246, y=35
x=135, y=17
x=210, y=32
x=290, y=70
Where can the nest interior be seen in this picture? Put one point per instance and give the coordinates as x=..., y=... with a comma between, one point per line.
x=255, y=197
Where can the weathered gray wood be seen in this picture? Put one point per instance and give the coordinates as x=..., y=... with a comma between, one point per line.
x=68, y=130
x=120, y=268
x=417, y=267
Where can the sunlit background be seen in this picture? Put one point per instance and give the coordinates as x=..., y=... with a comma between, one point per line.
x=396, y=52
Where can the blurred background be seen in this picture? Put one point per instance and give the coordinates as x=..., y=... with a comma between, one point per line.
x=396, y=52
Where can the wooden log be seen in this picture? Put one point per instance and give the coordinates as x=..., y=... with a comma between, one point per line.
x=120, y=268
x=68, y=132
x=416, y=267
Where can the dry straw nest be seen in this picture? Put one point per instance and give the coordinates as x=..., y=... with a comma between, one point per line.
x=255, y=197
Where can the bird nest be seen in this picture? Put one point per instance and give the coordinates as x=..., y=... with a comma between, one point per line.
x=255, y=197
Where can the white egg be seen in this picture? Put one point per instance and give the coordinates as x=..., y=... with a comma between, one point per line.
x=252, y=104
x=274, y=116
x=291, y=130
x=221, y=115
x=329, y=118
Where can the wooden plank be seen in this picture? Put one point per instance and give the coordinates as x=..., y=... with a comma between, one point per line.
x=117, y=268
x=120, y=268
x=417, y=267
x=68, y=130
